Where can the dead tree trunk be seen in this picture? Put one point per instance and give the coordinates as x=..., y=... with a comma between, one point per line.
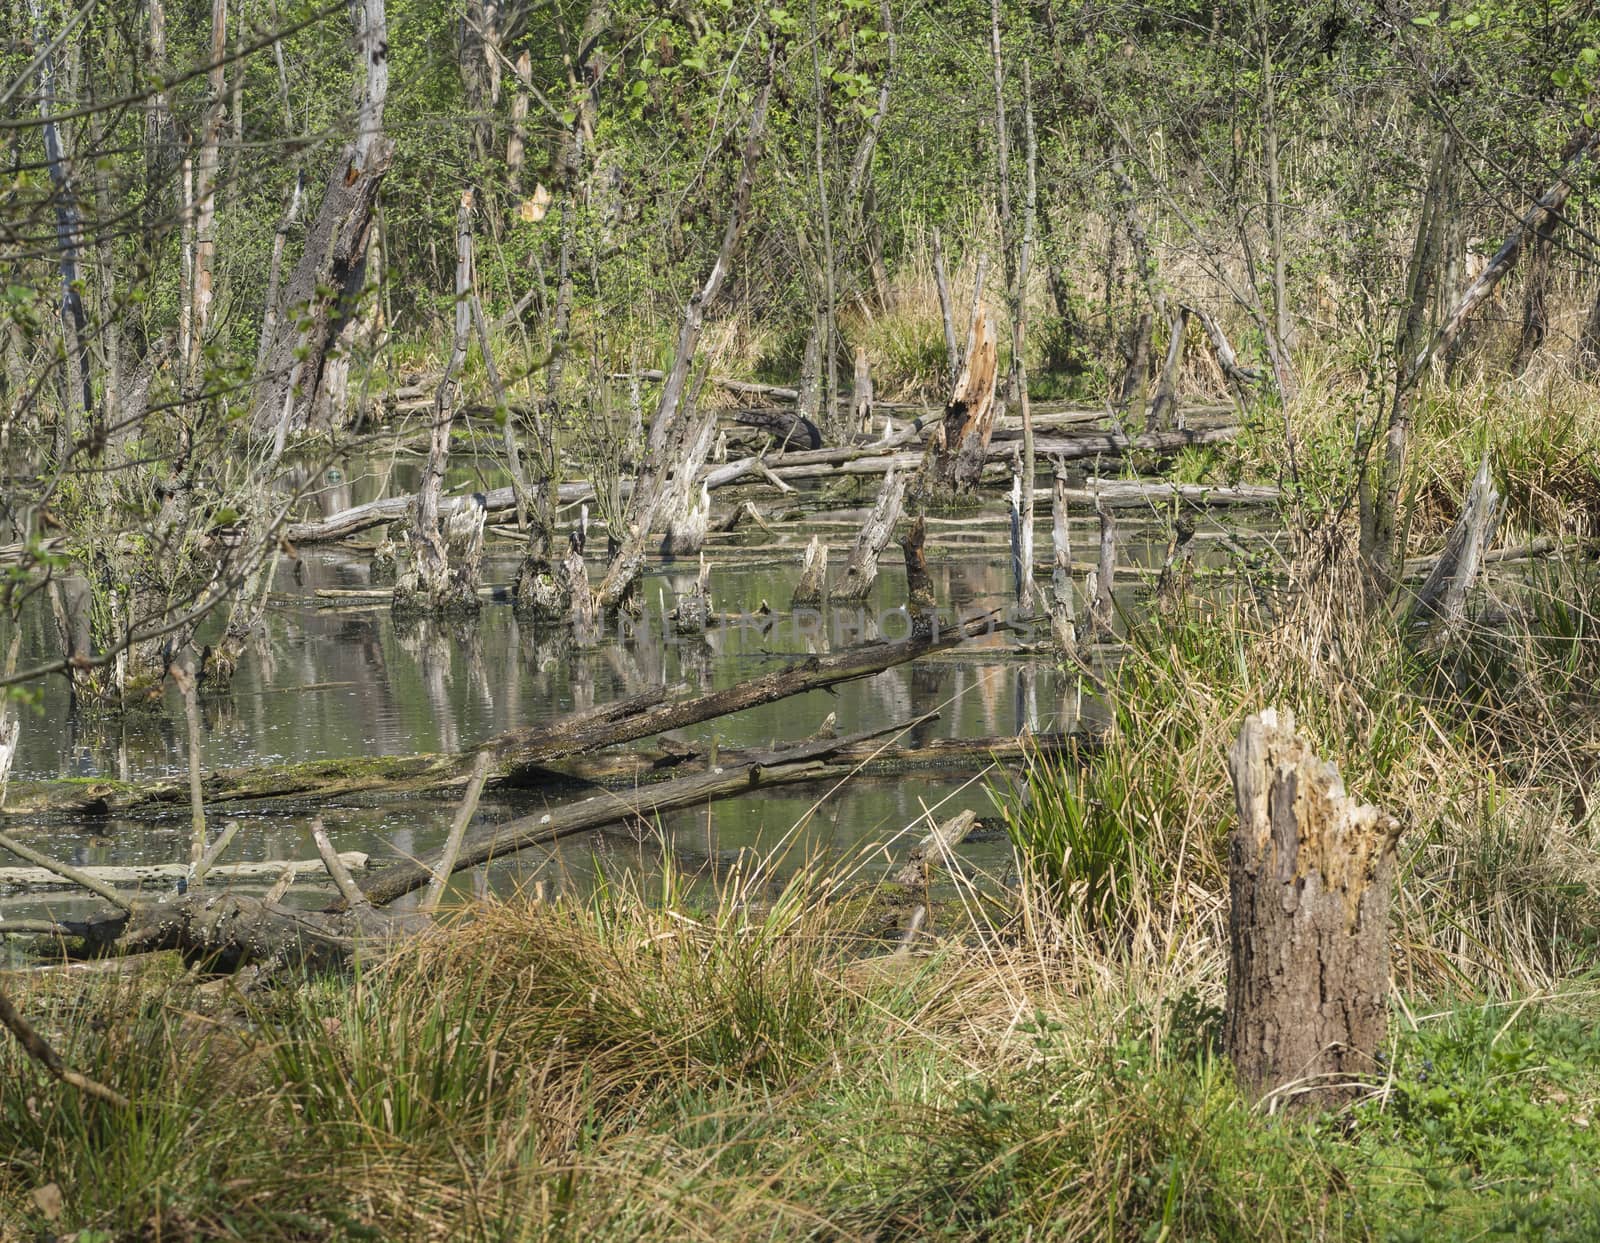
x=326, y=283
x=862, y=570
x=1136, y=379
x=1443, y=596
x=205, y=221
x=956, y=451
x=1380, y=497
x=77, y=386
x=861, y=393
x=685, y=504
x=812, y=589
x=1062, y=624
x=1164, y=409
x=947, y=317
x=1102, y=583
x=921, y=604
x=1586, y=353
x=628, y=564
x=1239, y=378
x=1310, y=872
x=1535, y=297
x=808, y=404
x=442, y=575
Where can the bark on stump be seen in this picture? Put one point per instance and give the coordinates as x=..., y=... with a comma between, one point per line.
x=1310, y=872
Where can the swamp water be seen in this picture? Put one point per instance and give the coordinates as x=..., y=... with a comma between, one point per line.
x=335, y=679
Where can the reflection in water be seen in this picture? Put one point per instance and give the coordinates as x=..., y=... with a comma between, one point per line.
x=346, y=681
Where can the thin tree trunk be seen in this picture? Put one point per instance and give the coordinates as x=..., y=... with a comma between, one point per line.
x=428, y=585
x=830, y=370
x=626, y=566
x=1163, y=409
x=942, y=283
x=1381, y=502
x=328, y=278
x=205, y=221
x=1027, y=595
x=1535, y=297
x=1282, y=328
x=77, y=388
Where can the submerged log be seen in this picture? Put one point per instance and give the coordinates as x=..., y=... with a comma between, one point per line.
x=862, y=569
x=1310, y=872
x=167, y=873
x=628, y=768
x=514, y=752
x=804, y=762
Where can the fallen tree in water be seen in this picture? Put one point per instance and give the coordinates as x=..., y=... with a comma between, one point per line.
x=227, y=930
x=512, y=753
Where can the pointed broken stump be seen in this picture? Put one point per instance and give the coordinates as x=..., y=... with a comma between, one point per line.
x=921, y=604
x=862, y=570
x=1442, y=598
x=956, y=454
x=1310, y=872
x=693, y=614
x=812, y=589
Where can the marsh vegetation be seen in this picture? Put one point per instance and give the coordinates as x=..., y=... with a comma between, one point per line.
x=717, y=621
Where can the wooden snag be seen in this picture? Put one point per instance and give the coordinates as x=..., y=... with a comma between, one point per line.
x=970, y=414
x=1310, y=872
x=1442, y=598
x=694, y=613
x=862, y=569
x=1062, y=622
x=921, y=604
x=1164, y=408
x=1102, y=583
x=812, y=589
x=862, y=400
x=935, y=849
x=1136, y=379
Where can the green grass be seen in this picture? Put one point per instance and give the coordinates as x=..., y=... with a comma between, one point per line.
x=966, y=1096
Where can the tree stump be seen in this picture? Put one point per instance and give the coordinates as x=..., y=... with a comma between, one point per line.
x=1310, y=871
x=862, y=569
x=922, y=606
x=812, y=589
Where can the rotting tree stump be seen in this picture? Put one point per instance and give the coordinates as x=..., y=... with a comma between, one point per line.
x=1310, y=872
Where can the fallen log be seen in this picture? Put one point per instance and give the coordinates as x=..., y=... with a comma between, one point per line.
x=165, y=873
x=875, y=459
x=624, y=721
x=1124, y=494
x=628, y=769
x=809, y=761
